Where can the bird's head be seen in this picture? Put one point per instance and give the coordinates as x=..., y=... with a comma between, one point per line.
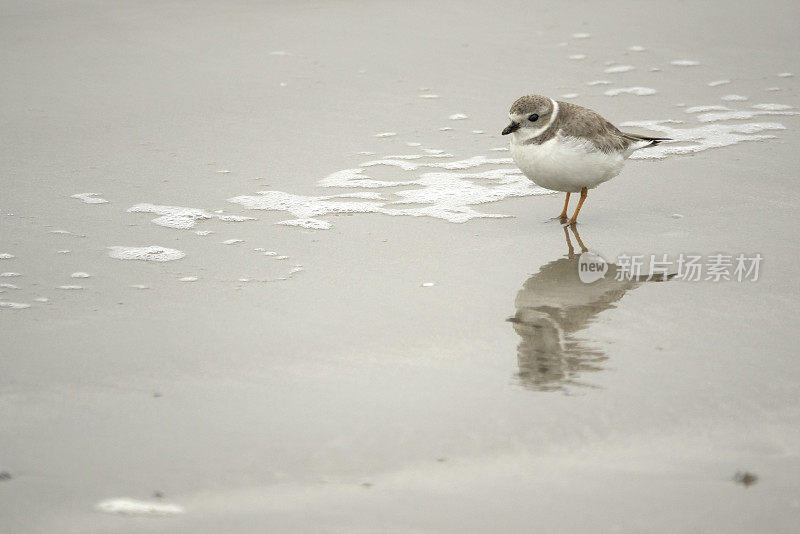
x=530, y=116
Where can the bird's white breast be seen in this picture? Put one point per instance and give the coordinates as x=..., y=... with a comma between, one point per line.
x=566, y=163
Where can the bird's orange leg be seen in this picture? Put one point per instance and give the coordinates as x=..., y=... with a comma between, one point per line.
x=564, y=211
x=574, y=218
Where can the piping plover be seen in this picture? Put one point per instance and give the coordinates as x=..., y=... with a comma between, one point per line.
x=566, y=147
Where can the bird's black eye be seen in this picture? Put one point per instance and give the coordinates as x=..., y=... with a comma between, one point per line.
x=533, y=118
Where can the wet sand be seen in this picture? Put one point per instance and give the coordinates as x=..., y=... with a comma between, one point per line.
x=333, y=391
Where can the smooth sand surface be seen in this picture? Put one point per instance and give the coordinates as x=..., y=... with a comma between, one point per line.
x=344, y=395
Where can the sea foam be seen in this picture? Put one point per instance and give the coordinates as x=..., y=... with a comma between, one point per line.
x=638, y=91
x=696, y=139
x=733, y=98
x=13, y=305
x=616, y=69
x=447, y=191
x=90, y=198
x=701, y=109
x=180, y=217
x=684, y=62
x=151, y=253
x=125, y=506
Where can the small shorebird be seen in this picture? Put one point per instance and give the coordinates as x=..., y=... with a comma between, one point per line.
x=566, y=147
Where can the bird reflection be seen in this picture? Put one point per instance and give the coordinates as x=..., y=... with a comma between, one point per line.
x=553, y=307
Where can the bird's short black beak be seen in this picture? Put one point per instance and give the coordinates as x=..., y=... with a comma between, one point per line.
x=511, y=128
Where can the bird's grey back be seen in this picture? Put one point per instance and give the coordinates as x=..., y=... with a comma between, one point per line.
x=583, y=123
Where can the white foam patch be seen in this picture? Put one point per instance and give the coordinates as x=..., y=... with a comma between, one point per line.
x=90, y=198
x=458, y=117
x=386, y=134
x=684, y=62
x=696, y=139
x=702, y=109
x=616, y=69
x=311, y=224
x=354, y=178
x=42, y=299
x=69, y=287
x=772, y=89
x=771, y=107
x=581, y=35
x=447, y=194
x=716, y=83
x=125, y=506
x=140, y=286
x=570, y=95
x=733, y=98
x=172, y=216
x=598, y=82
x=13, y=305
x=232, y=241
x=478, y=132
x=405, y=156
x=189, y=279
x=636, y=48
x=785, y=75
x=428, y=95
x=578, y=56
x=80, y=275
x=65, y=232
x=63, y=251
x=10, y=274
x=638, y=91
x=9, y=286
x=740, y=115
x=6, y=256
x=182, y=218
x=151, y=253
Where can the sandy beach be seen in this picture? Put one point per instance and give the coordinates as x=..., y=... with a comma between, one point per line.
x=269, y=268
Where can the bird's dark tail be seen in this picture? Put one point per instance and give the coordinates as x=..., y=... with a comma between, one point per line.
x=653, y=140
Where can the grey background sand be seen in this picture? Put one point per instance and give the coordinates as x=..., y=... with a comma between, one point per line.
x=349, y=398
